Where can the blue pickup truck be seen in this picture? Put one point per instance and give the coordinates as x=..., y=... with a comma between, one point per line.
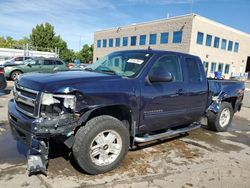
x=124, y=98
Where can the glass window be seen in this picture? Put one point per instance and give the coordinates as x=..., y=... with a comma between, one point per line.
x=227, y=67
x=230, y=46
x=209, y=40
x=168, y=63
x=236, y=47
x=117, y=42
x=199, y=38
x=142, y=39
x=220, y=67
x=193, y=70
x=177, y=37
x=133, y=41
x=164, y=38
x=213, y=67
x=104, y=43
x=124, y=41
x=205, y=65
x=48, y=62
x=216, y=42
x=223, y=44
x=152, y=39
x=98, y=43
x=111, y=41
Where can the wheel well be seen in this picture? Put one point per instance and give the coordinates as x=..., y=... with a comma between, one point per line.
x=121, y=112
x=15, y=70
x=231, y=100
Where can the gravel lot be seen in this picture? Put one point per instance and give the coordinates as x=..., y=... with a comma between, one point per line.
x=199, y=159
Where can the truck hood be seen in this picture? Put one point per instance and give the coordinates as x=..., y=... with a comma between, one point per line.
x=62, y=81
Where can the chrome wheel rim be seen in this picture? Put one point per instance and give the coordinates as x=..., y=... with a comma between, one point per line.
x=224, y=117
x=15, y=75
x=105, y=148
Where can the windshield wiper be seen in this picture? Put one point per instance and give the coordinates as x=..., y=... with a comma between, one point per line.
x=88, y=69
x=109, y=71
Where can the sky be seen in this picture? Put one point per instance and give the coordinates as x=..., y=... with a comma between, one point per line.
x=77, y=20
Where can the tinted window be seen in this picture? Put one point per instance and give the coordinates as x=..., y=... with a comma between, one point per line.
x=125, y=41
x=213, y=67
x=98, y=43
x=223, y=44
x=227, y=67
x=193, y=70
x=58, y=63
x=33, y=62
x=209, y=40
x=142, y=39
x=48, y=62
x=152, y=39
x=117, y=42
x=177, y=38
x=236, y=47
x=111, y=42
x=164, y=38
x=27, y=58
x=230, y=46
x=19, y=59
x=199, y=38
x=216, y=42
x=220, y=67
x=133, y=41
x=170, y=64
x=104, y=43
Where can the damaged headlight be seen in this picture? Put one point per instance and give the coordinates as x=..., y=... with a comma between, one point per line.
x=69, y=101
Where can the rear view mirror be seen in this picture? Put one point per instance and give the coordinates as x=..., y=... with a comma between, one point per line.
x=161, y=77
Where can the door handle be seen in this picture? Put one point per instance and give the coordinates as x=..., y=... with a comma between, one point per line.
x=180, y=92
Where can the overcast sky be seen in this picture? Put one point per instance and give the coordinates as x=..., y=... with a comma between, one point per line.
x=76, y=20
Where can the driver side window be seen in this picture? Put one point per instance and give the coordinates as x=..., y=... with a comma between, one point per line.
x=168, y=63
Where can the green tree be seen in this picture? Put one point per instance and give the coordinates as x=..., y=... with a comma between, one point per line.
x=86, y=54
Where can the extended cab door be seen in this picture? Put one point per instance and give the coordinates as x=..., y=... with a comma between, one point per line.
x=163, y=104
x=196, y=87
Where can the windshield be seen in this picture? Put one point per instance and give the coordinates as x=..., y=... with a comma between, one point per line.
x=126, y=64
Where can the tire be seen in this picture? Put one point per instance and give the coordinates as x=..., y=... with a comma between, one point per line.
x=14, y=74
x=215, y=121
x=95, y=131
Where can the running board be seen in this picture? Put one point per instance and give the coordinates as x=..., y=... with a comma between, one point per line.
x=168, y=133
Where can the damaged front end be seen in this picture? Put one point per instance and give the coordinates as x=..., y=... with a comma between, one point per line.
x=53, y=116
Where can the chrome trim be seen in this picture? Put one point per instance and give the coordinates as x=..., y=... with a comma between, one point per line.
x=23, y=111
x=26, y=89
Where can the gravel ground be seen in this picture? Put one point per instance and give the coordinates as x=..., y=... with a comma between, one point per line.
x=199, y=159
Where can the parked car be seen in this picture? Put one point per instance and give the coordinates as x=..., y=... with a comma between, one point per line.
x=3, y=82
x=14, y=60
x=35, y=65
x=124, y=98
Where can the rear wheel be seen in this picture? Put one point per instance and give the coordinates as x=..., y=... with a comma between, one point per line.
x=14, y=75
x=222, y=120
x=101, y=144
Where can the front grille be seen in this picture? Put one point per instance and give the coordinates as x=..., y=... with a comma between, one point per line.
x=26, y=100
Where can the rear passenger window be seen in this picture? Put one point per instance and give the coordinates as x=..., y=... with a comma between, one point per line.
x=48, y=62
x=169, y=63
x=193, y=70
x=58, y=63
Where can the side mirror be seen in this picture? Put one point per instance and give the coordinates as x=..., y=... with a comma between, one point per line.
x=161, y=77
x=29, y=65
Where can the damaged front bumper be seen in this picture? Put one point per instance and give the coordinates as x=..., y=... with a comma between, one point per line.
x=36, y=132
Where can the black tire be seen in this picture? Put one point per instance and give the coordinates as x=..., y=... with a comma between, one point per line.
x=13, y=75
x=84, y=139
x=214, y=119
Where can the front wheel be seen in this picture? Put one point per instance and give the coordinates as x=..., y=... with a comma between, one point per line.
x=101, y=144
x=222, y=120
x=14, y=75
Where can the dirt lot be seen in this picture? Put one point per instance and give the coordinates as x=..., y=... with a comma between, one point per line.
x=199, y=159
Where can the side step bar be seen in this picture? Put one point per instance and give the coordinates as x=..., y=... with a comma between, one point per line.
x=168, y=133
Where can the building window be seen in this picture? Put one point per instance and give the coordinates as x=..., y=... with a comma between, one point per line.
x=142, y=39
x=152, y=39
x=205, y=65
x=230, y=46
x=133, y=41
x=216, y=42
x=227, y=67
x=209, y=40
x=124, y=41
x=104, y=43
x=220, y=67
x=213, y=67
x=111, y=42
x=199, y=38
x=223, y=44
x=177, y=37
x=236, y=47
x=117, y=42
x=98, y=43
x=164, y=38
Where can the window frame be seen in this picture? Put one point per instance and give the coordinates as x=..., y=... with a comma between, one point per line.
x=226, y=71
x=164, y=35
x=213, y=63
x=133, y=40
x=238, y=45
x=230, y=46
x=142, y=40
x=209, y=42
x=223, y=44
x=117, y=42
x=177, y=40
x=198, y=68
x=104, y=43
x=215, y=42
x=198, y=39
x=152, y=41
x=124, y=41
x=99, y=43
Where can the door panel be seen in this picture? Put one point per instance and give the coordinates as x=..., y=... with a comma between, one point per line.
x=163, y=104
